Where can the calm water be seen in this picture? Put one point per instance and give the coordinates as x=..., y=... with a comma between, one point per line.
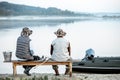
x=101, y=34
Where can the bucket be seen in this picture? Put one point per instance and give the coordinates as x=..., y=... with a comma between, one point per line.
x=7, y=56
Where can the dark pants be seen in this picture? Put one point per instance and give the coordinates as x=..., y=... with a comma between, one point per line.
x=30, y=66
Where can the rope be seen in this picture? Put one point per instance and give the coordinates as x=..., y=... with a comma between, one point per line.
x=44, y=61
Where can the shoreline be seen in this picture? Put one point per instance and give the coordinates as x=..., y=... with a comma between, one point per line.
x=75, y=76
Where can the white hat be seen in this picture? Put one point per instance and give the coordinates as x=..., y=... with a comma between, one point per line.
x=60, y=32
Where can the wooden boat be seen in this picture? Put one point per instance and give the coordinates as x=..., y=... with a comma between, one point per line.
x=98, y=65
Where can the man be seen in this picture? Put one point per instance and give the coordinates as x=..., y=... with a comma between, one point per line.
x=60, y=50
x=23, y=49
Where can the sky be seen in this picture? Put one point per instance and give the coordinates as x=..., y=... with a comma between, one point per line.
x=74, y=5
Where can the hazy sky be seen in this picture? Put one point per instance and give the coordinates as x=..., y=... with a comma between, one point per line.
x=75, y=5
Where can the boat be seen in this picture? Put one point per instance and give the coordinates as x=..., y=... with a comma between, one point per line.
x=97, y=65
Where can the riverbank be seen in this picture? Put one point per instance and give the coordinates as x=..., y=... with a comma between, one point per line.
x=51, y=76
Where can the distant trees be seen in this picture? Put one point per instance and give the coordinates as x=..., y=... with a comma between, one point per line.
x=15, y=9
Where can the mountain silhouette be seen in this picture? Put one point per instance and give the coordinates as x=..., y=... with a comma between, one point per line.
x=7, y=9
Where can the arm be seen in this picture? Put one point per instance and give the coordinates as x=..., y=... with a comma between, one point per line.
x=31, y=48
x=69, y=49
x=51, y=50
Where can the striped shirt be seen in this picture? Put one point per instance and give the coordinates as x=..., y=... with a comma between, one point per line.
x=23, y=48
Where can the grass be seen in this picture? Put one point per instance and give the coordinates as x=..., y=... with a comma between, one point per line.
x=33, y=78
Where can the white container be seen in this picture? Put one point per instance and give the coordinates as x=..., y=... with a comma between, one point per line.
x=7, y=56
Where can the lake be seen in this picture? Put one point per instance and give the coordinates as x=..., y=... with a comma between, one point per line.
x=101, y=33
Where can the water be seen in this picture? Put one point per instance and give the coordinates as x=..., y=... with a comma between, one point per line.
x=99, y=32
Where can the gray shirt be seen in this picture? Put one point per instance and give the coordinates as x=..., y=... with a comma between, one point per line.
x=60, y=52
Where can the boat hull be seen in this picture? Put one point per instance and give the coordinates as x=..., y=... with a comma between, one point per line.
x=96, y=69
x=98, y=65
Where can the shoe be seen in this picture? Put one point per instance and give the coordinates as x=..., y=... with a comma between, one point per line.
x=27, y=73
x=57, y=74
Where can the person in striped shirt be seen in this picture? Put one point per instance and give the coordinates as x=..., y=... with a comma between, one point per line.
x=23, y=50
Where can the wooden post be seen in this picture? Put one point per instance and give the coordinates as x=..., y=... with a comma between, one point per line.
x=70, y=65
x=14, y=69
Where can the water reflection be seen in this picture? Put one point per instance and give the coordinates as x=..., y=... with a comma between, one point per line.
x=54, y=21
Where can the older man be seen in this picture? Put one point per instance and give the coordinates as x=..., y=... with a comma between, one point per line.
x=60, y=50
x=23, y=49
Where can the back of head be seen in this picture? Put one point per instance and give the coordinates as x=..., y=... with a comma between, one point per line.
x=60, y=33
x=26, y=31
